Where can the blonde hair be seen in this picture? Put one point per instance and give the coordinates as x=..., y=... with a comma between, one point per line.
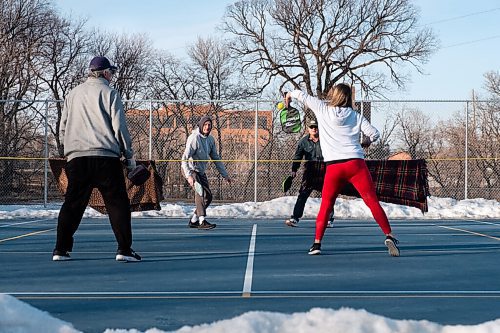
x=340, y=95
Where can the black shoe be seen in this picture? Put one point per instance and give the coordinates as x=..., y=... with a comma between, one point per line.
x=392, y=246
x=128, y=255
x=315, y=249
x=193, y=224
x=60, y=255
x=205, y=225
x=292, y=222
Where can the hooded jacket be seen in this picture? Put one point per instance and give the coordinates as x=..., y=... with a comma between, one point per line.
x=340, y=128
x=93, y=122
x=199, y=150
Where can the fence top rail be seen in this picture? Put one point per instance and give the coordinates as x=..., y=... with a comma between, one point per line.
x=257, y=100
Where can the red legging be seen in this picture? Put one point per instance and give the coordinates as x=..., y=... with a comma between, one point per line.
x=337, y=175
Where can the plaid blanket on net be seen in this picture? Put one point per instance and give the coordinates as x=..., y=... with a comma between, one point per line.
x=142, y=198
x=402, y=182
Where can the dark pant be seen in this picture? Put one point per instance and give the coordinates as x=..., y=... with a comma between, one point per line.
x=312, y=179
x=202, y=202
x=84, y=174
x=298, y=209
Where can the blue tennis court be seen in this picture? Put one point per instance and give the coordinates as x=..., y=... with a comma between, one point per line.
x=447, y=273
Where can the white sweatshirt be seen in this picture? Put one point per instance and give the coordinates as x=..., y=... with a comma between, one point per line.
x=339, y=128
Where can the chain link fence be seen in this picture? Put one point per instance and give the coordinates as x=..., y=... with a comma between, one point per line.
x=459, y=140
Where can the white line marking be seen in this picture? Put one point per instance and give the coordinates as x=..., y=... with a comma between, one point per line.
x=247, y=285
x=484, y=222
x=467, y=231
x=121, y=293
x=388, y=292
x=26, y=235
x=345, y=293
x=28, y=222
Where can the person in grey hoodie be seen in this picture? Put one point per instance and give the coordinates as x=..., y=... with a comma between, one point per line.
x=200, y=148
x=95, y=136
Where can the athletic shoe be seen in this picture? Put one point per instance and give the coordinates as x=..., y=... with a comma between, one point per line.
x=60, y=255
x=127, y=255
x=392, y=246
x=292, y=222
x=329, y=224
x=205, y=225
x=193, y=224
x=315, y=249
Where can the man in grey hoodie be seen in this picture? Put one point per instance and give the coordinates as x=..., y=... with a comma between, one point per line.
x=200, y=148
x=95, y=136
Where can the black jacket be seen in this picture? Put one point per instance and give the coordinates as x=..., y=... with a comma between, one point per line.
x=314, y=168
x=307, y=150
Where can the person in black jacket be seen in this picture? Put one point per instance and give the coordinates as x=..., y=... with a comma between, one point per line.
x=308, y=149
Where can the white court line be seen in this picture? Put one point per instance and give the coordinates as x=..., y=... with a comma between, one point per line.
x=484, y=222
x=28, y=222
x=267, y=293
x=26, y=235
x=467, y=231
x=117, y=293
x=247, y=285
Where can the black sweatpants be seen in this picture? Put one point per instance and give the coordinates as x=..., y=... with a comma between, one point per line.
x=84, y=174
x=312, y=179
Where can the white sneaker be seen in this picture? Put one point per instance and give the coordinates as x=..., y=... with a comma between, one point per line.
x=392, y=246
x=60, y=256
x=329, y=224
x=291, y=222
x=127, y=256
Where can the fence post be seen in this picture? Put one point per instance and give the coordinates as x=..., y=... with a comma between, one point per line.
x=150, y=129
x=46, y=159
x=255, y=151
x=466, y=180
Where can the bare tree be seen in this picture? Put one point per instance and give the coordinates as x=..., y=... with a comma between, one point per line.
x=492, y=83
x=133, y=56
x=218, y=80
x=23, y=27
x=484, y=141
x=313, y=44
x=63, y=63
x=445, y=151
x=381, y=148
x=413, y=128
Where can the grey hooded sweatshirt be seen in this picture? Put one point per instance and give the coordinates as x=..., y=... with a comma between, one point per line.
x=93, y=122
x=199, y=150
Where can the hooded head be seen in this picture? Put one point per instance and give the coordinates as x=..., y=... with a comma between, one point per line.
x=201, y=125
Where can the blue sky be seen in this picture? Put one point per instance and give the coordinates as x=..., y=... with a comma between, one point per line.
x=469, y=33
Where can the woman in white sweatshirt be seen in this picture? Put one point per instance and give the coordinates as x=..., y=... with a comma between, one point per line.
x=340, y=127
